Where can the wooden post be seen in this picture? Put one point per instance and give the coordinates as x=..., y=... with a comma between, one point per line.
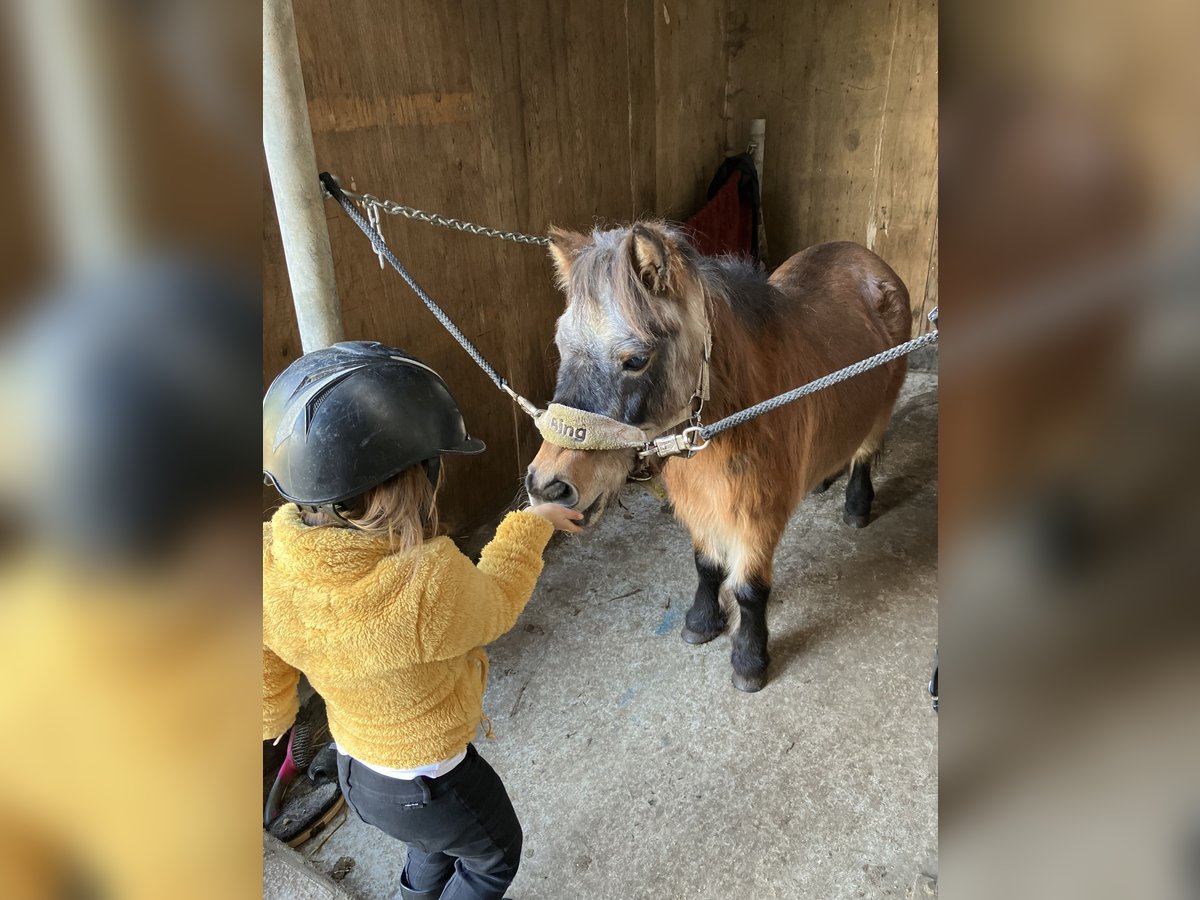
x=292, y=164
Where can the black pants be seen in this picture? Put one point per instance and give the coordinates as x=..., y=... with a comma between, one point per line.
x=461, y=829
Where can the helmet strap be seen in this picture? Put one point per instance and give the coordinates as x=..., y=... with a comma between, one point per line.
x=330, y=509
x=433, y=468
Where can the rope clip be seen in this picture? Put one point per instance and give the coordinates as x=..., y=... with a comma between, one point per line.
x=688, y=441
x=372, y=211
x=526, y=406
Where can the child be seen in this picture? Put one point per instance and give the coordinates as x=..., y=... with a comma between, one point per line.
x=386, y=620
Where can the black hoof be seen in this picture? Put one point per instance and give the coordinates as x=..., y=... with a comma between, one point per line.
x=856, y=521
x=699, y=637
x=750, y=684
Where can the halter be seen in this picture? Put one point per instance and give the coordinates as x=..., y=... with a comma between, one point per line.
x=578, y=429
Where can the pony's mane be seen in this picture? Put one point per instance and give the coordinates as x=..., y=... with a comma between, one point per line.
x=744, y=288
x=605, y=268
x=606, y=265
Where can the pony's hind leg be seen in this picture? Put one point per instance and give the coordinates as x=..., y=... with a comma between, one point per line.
x=704, y=621
x=860, y=493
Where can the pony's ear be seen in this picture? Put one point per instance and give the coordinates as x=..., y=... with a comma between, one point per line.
x=650, y=248
x=564, y=246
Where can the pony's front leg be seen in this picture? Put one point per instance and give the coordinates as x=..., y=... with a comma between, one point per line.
x=750, y=657
x=704, y=621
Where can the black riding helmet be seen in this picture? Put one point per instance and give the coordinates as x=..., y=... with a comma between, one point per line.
x=340, y=420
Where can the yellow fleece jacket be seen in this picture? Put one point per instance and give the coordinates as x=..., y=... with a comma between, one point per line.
x=393, y=642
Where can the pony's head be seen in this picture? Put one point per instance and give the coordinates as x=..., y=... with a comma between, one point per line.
x=631, y=345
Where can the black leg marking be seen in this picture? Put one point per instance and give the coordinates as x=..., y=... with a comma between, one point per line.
x=704, y=621
x=750, y=656
x=859, y=496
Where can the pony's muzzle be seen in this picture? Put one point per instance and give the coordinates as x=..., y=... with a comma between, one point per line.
x=554, y=490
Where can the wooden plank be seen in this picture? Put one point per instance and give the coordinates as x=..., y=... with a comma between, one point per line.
x=903, y=214
x=690, y=73
x=513, y=116
x=642, y=91
x=348, y=113
x=849, y=93
x=921, y=310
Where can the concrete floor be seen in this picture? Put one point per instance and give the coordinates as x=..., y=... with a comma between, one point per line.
x=286, y=875
x=639, y=772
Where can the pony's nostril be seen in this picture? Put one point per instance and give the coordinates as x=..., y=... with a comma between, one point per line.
x=560, y=492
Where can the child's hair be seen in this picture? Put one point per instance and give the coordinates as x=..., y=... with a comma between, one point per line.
x=402, y=509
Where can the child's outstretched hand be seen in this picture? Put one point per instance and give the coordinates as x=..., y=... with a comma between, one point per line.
x=561, y=517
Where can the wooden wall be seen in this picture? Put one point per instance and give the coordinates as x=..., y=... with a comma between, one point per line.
x=849, y=92
x=523, y=114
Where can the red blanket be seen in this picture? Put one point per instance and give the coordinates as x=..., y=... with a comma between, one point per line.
x=728, y=222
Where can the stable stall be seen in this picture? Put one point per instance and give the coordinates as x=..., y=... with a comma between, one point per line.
x=522, y=116
x=626, y=752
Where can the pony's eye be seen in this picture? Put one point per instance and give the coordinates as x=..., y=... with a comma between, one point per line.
x=636, y=363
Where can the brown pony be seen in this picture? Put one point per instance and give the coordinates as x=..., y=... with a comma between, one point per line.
x=632, y=344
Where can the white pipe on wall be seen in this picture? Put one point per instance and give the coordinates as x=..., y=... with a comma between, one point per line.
x=758, y=140
x=292, y=164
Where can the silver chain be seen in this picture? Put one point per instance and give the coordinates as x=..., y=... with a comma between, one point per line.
x=372, y=205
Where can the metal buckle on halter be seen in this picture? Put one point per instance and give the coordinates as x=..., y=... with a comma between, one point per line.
x=688, y=441
x=697, y=409
x=694, y=439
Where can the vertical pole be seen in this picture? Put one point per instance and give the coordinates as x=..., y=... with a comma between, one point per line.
x=758, y=137
x=292, y=164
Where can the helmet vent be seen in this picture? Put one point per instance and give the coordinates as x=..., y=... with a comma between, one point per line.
x=420, y=365
x=308, y=399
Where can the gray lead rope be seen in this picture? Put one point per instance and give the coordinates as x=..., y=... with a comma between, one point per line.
x=381, y=248
x=879, y=359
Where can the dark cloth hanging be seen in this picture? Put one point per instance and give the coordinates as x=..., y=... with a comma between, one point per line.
x=728, y=222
